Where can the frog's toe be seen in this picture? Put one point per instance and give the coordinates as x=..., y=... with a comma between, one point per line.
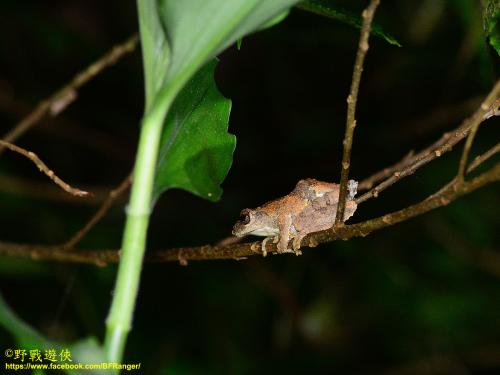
x=282, y=247
x=296, y=245
x=263, y=246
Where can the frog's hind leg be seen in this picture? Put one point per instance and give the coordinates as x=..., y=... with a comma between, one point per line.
x=296, y=243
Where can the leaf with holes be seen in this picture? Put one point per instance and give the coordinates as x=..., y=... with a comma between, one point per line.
x=178, y=38
x=196, y=149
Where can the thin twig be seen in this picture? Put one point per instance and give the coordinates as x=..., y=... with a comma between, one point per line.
x=435, y=119
x=451, y=192
x=352, y=99
x=41, y=190
x=494, y=111
x=445, y=144
x=482, y=158
x=43, y=168
x=368, y=182
x=100, y=213
x=488, y=108
x=58, y=101
x=95, y=139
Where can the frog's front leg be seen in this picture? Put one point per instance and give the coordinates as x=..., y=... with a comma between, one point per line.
x=284, y=225
x=266, y=240
x=299, y=235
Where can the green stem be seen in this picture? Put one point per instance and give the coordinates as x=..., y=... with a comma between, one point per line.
x=134, y=238
x=120, y=315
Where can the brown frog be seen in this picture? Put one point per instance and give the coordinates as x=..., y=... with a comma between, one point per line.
x=310, y=207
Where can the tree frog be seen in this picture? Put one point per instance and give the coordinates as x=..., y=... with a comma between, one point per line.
x=310, y=207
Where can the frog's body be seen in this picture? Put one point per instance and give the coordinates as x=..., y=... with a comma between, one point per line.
x=310, y=207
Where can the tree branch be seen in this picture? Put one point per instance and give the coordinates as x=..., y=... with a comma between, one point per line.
x=482, y=158
x=352, y=100
x=100, y=213
x=368, y=182
x=41, y=190
x=106, y=204
x=488, y=108
x=58, y=101
x=410, y=160
x=101, y=258
x=43, y=168
x=409, y=165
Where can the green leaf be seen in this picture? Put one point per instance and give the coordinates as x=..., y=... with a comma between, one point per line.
x=327, y=9
x=26, y=337
x=178, y=38
x=155, y=50
x=198, y=30
x=491, y=22
x=275, y=20
x=88, y=351
x=196, y=149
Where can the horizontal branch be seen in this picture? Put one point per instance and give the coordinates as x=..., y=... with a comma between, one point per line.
x=449, y=193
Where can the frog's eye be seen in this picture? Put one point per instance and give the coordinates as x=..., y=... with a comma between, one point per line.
x=244, y=217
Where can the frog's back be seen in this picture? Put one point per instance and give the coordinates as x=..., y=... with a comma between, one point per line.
x=289, y=204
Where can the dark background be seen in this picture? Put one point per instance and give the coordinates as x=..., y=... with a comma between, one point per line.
x=419, y=297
